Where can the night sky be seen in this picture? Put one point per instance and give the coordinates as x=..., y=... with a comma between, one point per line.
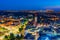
x=29, y=4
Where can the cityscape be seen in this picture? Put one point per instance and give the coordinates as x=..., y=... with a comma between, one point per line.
x=29, y=25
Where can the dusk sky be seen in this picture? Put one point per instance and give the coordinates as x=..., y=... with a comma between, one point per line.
x=28, y=4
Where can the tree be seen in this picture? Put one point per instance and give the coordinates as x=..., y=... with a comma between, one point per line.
x=6, y=37
x=20, y=29
x=17, y=37
x=12, y=36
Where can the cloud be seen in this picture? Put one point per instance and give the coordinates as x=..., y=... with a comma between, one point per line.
x=52, y=7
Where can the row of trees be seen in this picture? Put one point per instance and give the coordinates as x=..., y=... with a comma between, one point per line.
x=12, y=37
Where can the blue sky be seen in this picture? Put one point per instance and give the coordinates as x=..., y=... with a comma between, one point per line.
x=28, y=4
